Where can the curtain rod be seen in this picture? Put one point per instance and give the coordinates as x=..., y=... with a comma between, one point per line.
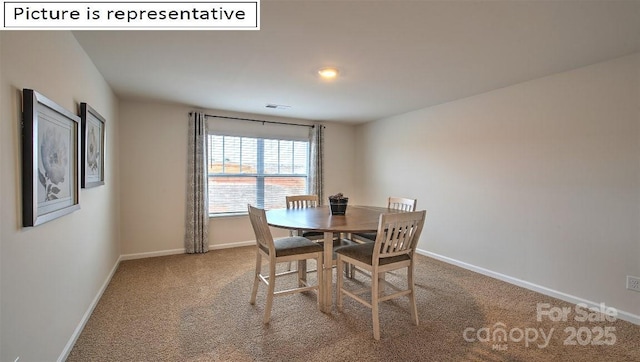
x=260, y=121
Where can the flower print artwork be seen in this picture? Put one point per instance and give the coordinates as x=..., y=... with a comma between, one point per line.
x=93, y=150
x=50, y=159
x=92, y=146
x=54, y=154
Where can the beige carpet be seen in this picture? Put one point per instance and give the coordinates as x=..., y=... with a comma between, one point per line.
x=196, y=308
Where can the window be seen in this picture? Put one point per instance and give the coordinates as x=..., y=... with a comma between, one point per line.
x=257, y=171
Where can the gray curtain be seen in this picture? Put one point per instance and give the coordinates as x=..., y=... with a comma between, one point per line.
x=196, y=239
x=316, y=136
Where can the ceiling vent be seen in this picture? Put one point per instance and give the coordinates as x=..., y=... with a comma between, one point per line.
x=277, y=106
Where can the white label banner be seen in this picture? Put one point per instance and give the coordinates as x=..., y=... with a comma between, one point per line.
x=105, y=15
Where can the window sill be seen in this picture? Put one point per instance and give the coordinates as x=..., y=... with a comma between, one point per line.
x=222, y=216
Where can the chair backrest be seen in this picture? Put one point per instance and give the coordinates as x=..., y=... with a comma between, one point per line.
x=302, y=201
x=264, y=239
x=398, y=234
x=400, y=203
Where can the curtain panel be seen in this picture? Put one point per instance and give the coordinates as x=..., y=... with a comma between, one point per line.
x=196, y=238
x=316, y=137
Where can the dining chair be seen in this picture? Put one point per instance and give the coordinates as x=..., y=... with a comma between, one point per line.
x=301, y=202
x=394, y=203
x=295, y=248
x=393, y=249
x=304, y=201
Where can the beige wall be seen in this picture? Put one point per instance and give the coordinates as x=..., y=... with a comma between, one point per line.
x=154, y=147
x=538, y=181
x=153, y=165
x=51, y=273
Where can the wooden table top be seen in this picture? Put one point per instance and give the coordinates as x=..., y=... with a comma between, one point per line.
x=356, y=219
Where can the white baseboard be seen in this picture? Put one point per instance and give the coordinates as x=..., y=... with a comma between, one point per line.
x=629, y=317
x=152, y=254
x=85, y=318
x=232, y=245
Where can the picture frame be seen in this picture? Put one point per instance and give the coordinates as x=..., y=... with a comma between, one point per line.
x=93, y=146
x=50, y=159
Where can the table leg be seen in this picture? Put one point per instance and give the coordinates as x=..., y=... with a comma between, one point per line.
x=327, y=289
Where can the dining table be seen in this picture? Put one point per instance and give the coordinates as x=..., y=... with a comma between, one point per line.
x=357, y=219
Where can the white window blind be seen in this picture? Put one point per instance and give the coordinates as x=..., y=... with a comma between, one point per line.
x=232, y=127
x=254, y=170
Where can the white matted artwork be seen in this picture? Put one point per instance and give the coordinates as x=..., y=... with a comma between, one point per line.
x=50, y=155
x=93, y=138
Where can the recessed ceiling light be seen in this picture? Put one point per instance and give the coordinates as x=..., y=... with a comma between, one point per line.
x=328, y=73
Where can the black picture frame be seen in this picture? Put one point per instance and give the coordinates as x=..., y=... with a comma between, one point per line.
x=50, y=159
x=93, y=146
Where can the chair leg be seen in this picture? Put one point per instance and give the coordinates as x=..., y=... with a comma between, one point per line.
x=375, y=304
x=320, y=277
x=348, y=270
x=270, y=292
x=381, y=279
x=256, y=278
x=291, y=233
x=302, y=272
x=412, y=296
x=339, y=266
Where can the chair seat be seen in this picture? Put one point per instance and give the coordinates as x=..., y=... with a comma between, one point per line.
x=338, y=244
x=368, y=236
x=313, y=234
x=364, y=253
x=294, y=245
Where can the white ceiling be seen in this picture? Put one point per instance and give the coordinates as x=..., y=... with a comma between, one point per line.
x=394, y=56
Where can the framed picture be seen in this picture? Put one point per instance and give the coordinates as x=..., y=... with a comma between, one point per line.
x=50, y=159
x=92, y=146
